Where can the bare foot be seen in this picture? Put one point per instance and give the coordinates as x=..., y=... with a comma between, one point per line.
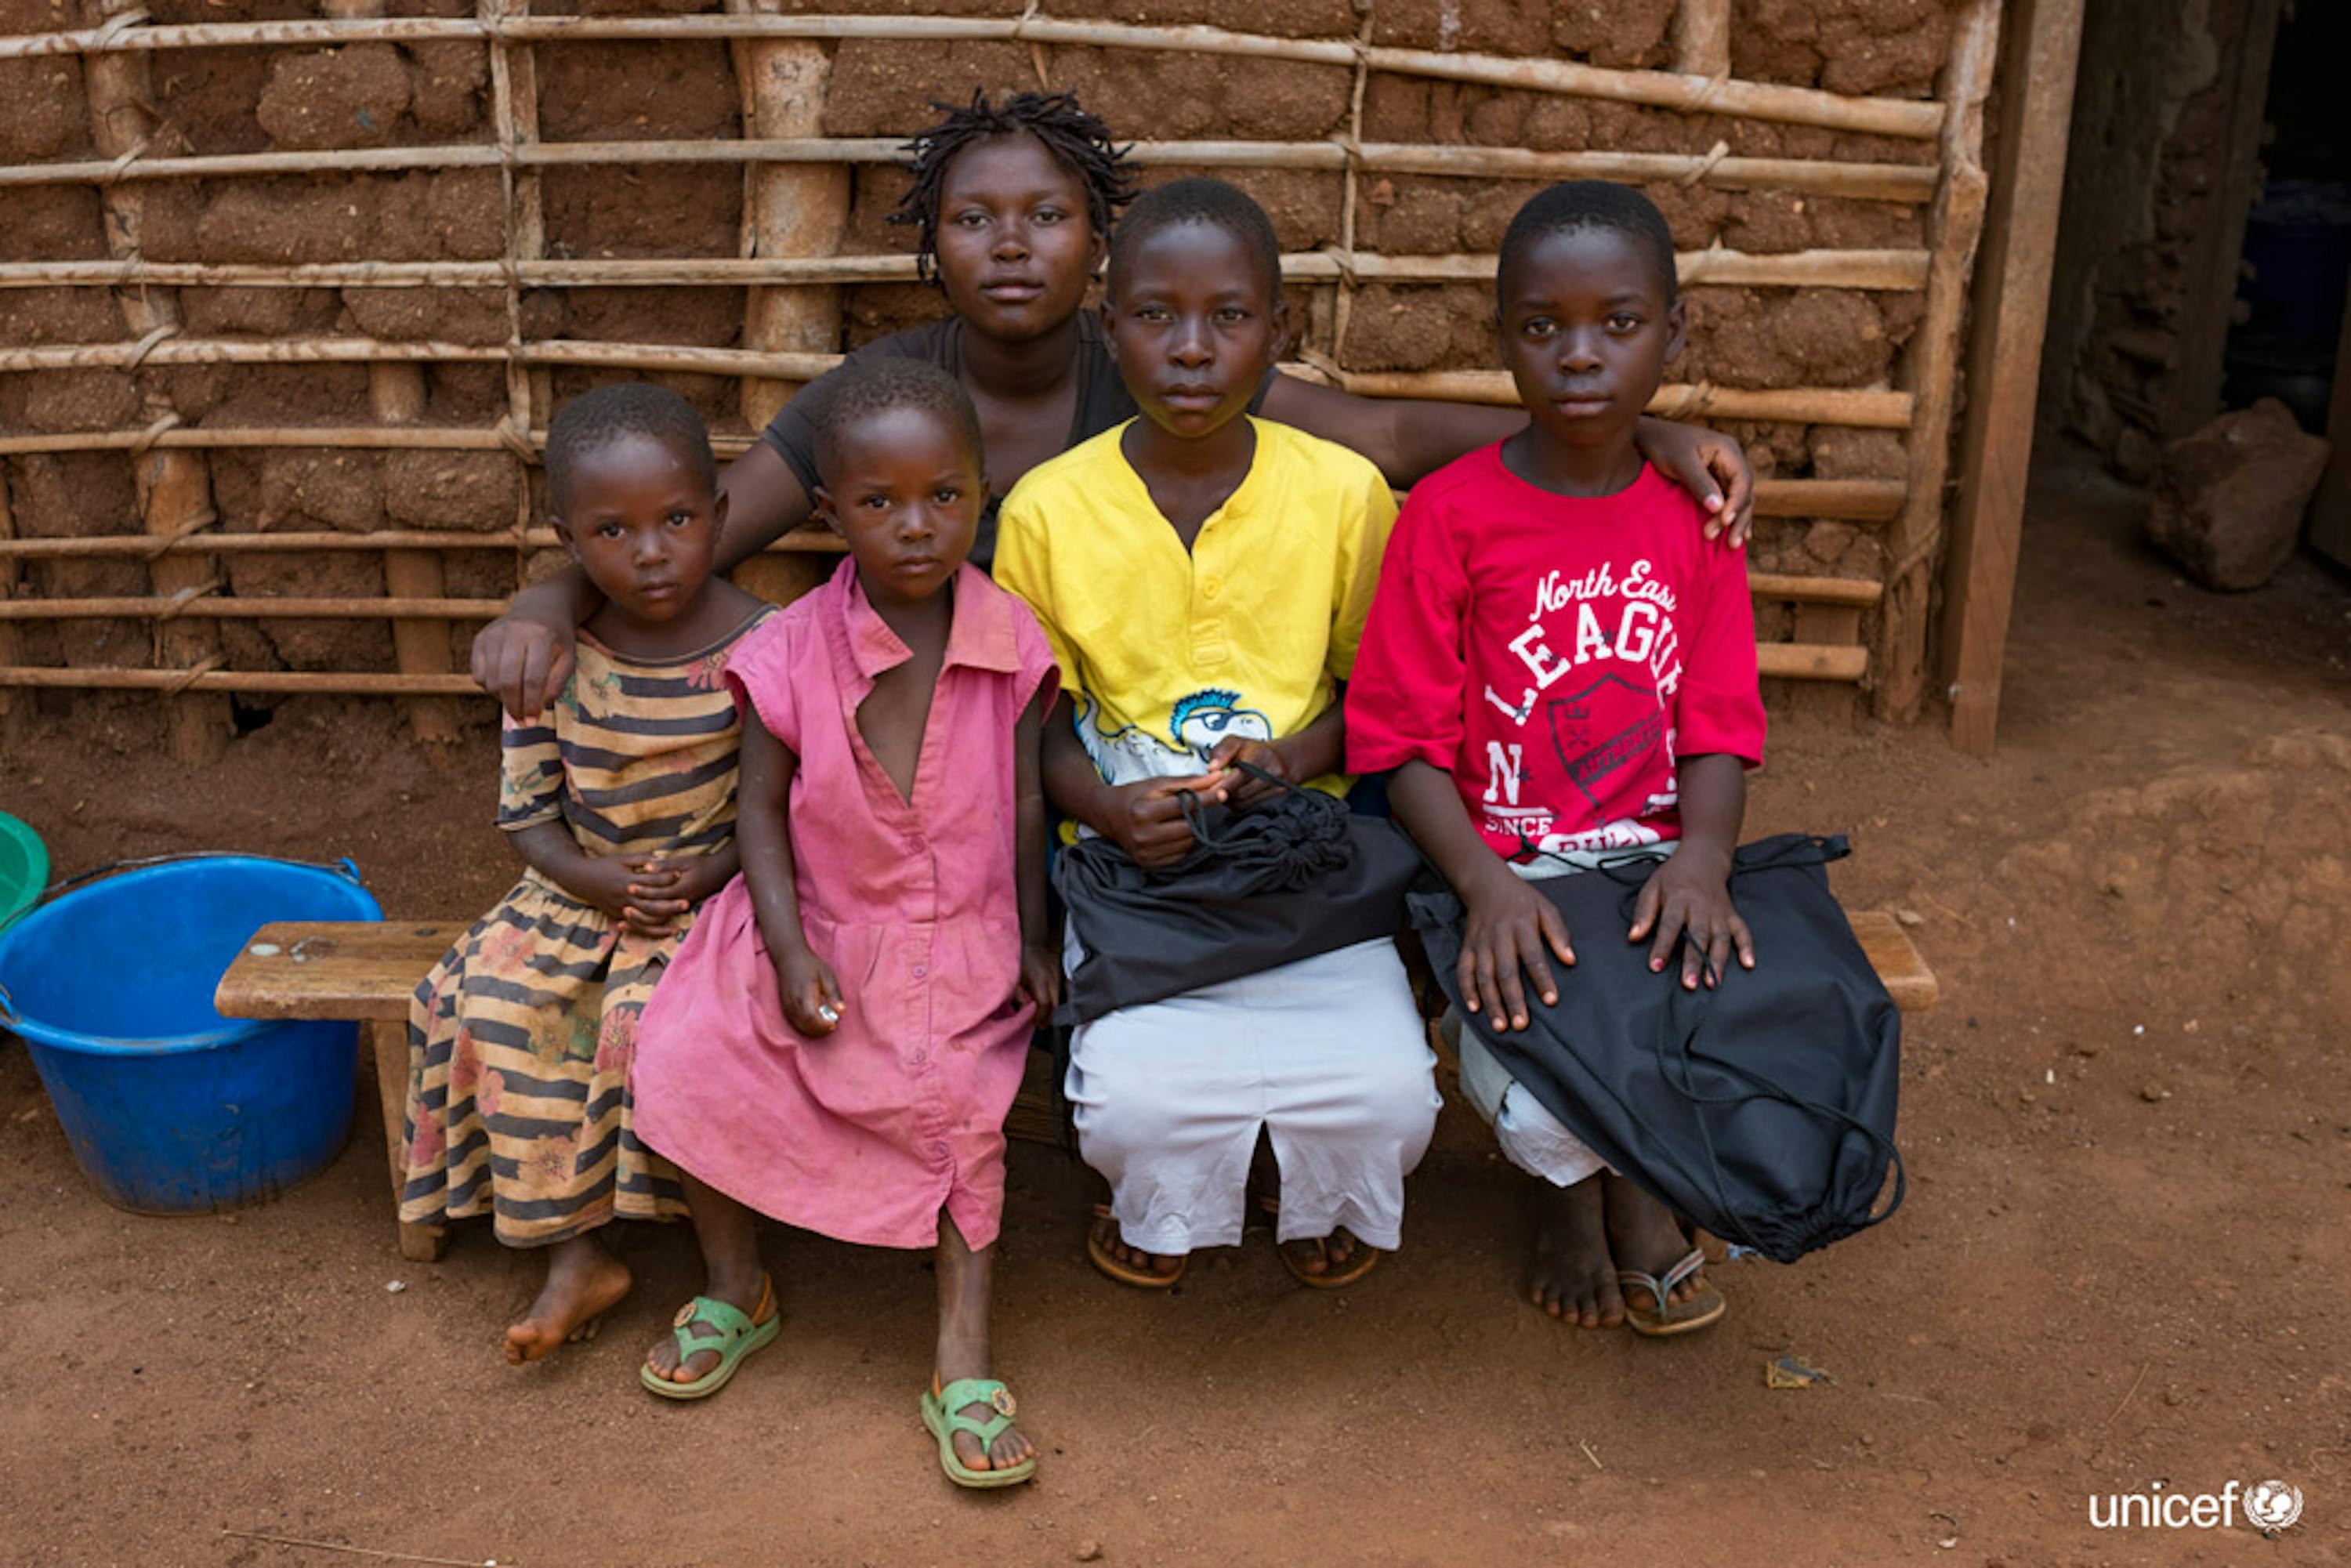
x=1570, y=1271
x=1644, y=1236
x=583, y=1283
x=965, y=1277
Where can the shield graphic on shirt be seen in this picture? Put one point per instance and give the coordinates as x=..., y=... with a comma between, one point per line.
x=1610, y=726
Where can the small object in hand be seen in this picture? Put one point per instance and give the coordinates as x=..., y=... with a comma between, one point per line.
x=827, y=1012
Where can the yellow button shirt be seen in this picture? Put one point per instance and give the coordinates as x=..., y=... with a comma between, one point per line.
x=1166, y=652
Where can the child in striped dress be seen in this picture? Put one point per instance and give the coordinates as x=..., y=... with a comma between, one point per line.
x=621, y=801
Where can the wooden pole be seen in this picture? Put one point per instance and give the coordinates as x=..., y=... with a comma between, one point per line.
x=1338, y=302
x=1932, y=364
x=513, y=103
x=1702, y=37
x=14, y=710
x=174, y=487
x=420, y=647
x=2330, y=510
x=796, y=212
x=2012, y=309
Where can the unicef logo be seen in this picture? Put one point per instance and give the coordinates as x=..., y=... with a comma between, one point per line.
x=2272, y=1505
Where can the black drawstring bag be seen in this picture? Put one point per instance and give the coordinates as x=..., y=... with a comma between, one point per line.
x=1297, y=876
x=1761, y=1109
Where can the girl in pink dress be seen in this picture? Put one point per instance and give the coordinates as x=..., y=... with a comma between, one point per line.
x=839, y=1040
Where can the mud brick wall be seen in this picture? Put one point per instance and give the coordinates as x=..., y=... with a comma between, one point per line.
x=306, y=96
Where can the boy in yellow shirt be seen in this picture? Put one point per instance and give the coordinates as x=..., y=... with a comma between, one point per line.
x=1203, y=576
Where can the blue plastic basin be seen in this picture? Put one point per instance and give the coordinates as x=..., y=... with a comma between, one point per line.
x=170, y=1108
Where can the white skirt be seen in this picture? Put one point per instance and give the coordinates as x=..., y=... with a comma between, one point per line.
x=1327, y=1054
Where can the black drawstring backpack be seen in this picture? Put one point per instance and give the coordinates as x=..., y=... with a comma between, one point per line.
x=1761, y=1109
x=1292, y=878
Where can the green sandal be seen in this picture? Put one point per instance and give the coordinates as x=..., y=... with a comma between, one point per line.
x=738, y=1337
x=943, y=1414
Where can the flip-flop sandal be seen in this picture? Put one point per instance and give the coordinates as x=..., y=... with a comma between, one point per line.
x=738, y=1337
x=1663, y=1317
x=1098, y=1252
x=1367, y=1258
x=943, y=1414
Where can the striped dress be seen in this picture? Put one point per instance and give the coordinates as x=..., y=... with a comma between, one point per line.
x=519, y=1040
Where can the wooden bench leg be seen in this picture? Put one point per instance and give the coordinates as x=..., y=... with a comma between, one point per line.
x=389, y=1037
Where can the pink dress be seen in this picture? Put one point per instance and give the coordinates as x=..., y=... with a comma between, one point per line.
x=866, y=1134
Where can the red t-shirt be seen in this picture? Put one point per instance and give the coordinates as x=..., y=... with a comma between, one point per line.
x=1555, y=654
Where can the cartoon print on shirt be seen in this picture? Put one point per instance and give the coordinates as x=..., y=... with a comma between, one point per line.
x=1196, y=724
x=1204, y=719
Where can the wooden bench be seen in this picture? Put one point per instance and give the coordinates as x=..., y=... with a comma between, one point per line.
x=366, y=970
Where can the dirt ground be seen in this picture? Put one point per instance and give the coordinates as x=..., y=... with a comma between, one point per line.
x=2128, y=1127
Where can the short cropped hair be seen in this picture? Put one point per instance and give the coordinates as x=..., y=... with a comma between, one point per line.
x=1199, y=201
x=1579, y=205
x=874, y=384
x=1078, y=140
x=594, y=420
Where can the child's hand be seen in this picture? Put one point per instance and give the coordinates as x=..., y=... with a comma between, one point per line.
x=660, y=893
x=1146, y=819
x=1040, y=977
x=812, y=999
x=1509, y=926
x=602, y=881
x=1690, y=894
x=1246, y=790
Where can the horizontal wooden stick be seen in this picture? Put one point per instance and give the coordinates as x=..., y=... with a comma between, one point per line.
x=358, y=438
x=1871, y=408
x=360, y=351
x=1905, y=183
x=1868, y=407
x=1912, y=118
x=1811, y=662
x=1880, y=409
x=1837, y=590
x=1847, y=500
x=816, y=541
x=254, y=608
x=284, y=682
x=1857, y=592
x=1782, y=660
x=1876, y=269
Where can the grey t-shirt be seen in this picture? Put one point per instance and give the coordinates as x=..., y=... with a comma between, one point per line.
x=1103, y=402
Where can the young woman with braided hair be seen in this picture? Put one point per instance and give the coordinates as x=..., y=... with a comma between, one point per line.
x=1013, y=200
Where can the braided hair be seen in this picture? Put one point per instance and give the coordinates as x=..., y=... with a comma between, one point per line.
x=1078, y=140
